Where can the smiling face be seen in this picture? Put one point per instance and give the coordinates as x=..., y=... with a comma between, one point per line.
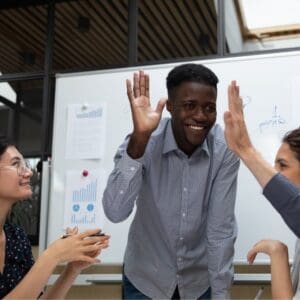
x=192, y=106
x=14, y=185
x=287, y=163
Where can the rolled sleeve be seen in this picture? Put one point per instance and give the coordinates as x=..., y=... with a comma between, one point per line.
x=222, y=228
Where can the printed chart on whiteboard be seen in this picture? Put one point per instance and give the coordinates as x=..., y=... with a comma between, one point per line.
x=84, y=191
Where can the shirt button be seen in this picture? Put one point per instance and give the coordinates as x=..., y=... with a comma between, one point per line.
x=121, y=192
x=132, y=168
x=183, y=214
x=177, y=275
x=181, y=238
x=184, y=189
x=179, y=259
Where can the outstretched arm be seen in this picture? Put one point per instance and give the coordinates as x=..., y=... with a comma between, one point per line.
x=238, y=139
x=73, y=248
x=283, y=194
x=145, y=119
x=281, y=283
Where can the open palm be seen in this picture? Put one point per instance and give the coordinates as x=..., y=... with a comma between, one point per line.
x=145, y=118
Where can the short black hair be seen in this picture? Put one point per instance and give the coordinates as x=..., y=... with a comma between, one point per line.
x=190, y=72
x=5, y=142
x=292, y=138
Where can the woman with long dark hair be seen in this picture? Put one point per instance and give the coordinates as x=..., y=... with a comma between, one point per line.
x=20, y=277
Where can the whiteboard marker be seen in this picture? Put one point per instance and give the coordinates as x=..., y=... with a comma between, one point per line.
x=259, y=293
x=96, y=234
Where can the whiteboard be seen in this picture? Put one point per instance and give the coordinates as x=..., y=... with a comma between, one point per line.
x=270, y=86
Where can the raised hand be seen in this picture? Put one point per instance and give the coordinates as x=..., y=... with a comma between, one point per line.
x=145, y=118
x=236, y=133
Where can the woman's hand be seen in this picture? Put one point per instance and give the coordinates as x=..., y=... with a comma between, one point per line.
x=78, y=266
x=78, y=247
x=269, y=247
x=236, y=132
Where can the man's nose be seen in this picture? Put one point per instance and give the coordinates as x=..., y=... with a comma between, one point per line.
x=199, y=113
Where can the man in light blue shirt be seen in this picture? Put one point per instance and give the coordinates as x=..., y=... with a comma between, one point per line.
x=182, y=178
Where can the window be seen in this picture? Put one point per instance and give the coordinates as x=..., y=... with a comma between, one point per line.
x=258, y=25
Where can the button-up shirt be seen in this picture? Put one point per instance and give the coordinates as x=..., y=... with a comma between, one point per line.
x=184, y=228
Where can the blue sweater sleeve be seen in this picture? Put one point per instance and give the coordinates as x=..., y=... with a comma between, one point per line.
x=285, y=198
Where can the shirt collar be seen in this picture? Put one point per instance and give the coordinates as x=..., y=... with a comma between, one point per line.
x=171, y=145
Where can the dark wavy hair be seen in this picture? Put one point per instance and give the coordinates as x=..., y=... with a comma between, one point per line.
x=190, y=72
x=5, y=142
x=292, y=138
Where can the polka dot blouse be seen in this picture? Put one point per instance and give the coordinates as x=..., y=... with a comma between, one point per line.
x=18, y=258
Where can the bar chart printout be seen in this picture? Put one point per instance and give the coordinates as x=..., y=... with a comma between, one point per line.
x=83, y=207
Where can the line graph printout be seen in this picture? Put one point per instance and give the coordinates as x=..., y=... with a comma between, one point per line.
x=83, y=207
x=86, y=131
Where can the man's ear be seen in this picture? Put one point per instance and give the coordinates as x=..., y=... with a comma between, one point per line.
x=169, y=106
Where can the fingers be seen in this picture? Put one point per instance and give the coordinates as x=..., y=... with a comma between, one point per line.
x=257, y=248
x=160, y=105
x=136, y=85
x=72, y=230
x=95, y=240
x=144, y=84
x=140, y=85
x=94, y=253
x=88, y=259
x=228, y=119
x=235, y=104
x=129, y=90
x=94, y=248
x=147, y=85
x=251, y=255
x=82, y=245
x=88, y=232
x=231, y=99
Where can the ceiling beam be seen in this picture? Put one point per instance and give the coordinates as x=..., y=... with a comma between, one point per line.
x=6, y=4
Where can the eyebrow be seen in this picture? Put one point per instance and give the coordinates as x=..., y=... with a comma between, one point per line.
x=16, y=158
x=205, y=103
x=280, y=160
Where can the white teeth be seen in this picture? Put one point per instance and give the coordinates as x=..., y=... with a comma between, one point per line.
x=196, y=127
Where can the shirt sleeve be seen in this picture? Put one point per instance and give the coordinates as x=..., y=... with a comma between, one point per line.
x=285, y=198
x=221, y=227
x=123, y=186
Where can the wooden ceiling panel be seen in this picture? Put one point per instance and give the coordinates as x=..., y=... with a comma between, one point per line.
x=167, y=30
x=177, y=28
x=24, y=31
